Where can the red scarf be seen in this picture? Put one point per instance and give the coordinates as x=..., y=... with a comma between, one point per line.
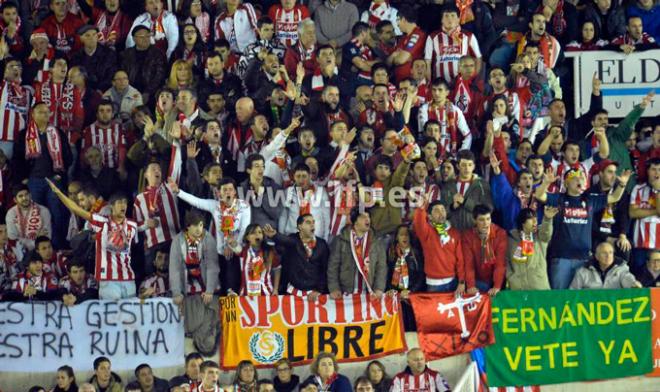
x=309, y=247
x=228, y=220
x=193, y=260
x=118, y=235
x=360, y=249
x=255, y=265
x=65, y=103
x=465, y=9
x=377, y=13
x=446, y=114
x=487, y=253
x=400, y=275
x=154, y=199
x=557, y=19
x=54, y=142
x=305, y=200
x=105, y=29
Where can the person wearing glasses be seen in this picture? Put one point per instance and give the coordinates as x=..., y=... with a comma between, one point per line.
x=650, y=275
x=285, y=380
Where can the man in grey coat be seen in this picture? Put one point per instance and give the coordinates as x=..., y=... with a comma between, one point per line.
x=605, y=272
x=357, y=260
x=194, y=277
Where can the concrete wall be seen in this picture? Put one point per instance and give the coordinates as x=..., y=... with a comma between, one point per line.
x=452, y=369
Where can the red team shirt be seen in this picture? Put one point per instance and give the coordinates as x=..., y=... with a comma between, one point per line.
x=113, y=246
x=646, y=229
x=110, y=140
x=160, y=205
x=444, y=51
x=286, y=22
x=412, y=43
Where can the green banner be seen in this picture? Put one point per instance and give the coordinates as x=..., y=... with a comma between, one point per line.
x=558, y=336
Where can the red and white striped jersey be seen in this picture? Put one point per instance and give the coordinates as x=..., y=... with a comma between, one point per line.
x=110, y=140
x=646, y=229
x=240, y=29
x=256, y=268
x=286, y=22
x=197, y=387
x=534, y=388
x=444, y=51
x=14, y=105
x=10, y=257
x=113, y=248
x=159, y=283
x=43, y=283
x=428, y=381
x=451, y=121
x=57, y=265
x=158, y=204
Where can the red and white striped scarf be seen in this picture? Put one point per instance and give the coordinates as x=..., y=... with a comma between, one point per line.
x=105, y=29
x=446, y=115
x=29, y=224
x=33, y=145
x=377, y=12
x=360, y=250
x=64, y=101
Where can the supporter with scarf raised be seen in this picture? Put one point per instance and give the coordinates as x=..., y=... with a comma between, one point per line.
x=113, y=24
x=378, y=11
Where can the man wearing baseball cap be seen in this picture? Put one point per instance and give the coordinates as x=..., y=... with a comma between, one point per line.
x=571, y=244
x=612, y=222
x=99, y=61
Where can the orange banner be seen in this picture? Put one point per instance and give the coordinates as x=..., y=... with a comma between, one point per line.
x=655, y=332
x=266, y=329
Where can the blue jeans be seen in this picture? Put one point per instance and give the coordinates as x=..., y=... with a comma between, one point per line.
x=442, y=288
x=483, y=286
x=562, y=272
x=42, y=194
x=115, y=290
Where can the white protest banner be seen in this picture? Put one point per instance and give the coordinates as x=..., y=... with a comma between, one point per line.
x=626, y=79
x=42, y=336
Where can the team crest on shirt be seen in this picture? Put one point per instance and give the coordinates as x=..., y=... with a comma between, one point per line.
x=266, y=347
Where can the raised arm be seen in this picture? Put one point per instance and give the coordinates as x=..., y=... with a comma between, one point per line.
x=208, y=205
x=68, y=203
x=622, y=181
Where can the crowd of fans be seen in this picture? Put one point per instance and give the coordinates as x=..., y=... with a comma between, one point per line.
x=202, y=148
x=204, y=375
